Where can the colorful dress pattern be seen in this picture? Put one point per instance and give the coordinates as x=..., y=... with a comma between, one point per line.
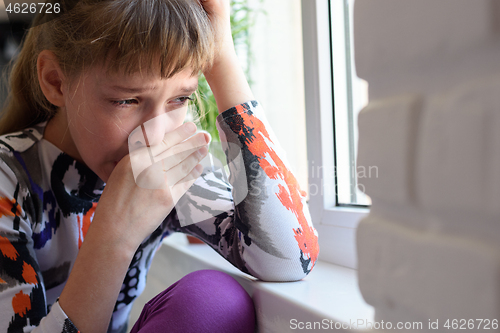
x=48, y=199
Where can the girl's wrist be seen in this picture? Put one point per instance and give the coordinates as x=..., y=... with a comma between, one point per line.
x=222, y=63
x=117, y=239
x=95, y=280
x=228, y=83
x=226, y=52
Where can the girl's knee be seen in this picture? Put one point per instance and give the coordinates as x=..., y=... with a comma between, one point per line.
x=207, y=301
x=219, y=298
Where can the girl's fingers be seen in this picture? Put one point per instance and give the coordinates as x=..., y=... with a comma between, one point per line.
x=183, y=149
x=159, y=176
x=181, y=170
x=179, y=189
x=174, y=148
x=144, y=136
x=180, y=152
x=173, y=138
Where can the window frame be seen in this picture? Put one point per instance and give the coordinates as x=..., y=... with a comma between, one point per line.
x=336, y=225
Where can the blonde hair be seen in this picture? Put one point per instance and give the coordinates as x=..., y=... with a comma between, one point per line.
x=125, y=33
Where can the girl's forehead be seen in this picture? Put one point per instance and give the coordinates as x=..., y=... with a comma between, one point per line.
x=144, y=66
x=140, y=76
x=139, y=82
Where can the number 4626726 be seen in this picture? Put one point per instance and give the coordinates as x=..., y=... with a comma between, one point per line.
x=33, y=8
x=462, y=324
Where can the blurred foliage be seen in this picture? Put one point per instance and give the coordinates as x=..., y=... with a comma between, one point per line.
x=243, y=17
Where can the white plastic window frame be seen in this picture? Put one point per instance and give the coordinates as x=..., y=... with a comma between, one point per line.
x=336, y=226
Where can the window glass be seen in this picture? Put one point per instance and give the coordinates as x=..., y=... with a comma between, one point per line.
x=350, y=95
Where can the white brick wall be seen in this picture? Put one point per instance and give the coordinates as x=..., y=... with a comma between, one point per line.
x=430, y=247
x=408, y=45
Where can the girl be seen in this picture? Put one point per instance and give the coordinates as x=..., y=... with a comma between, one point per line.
x=82, y=83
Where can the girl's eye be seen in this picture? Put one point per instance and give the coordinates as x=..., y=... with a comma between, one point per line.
x=124, y=103
x=182, y=100
x=128, y=102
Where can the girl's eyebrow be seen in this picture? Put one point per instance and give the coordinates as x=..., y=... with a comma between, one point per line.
x=132, y=90
x=190, y=89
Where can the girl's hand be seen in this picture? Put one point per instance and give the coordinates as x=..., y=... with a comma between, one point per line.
x=134, y=208
x=219, y=12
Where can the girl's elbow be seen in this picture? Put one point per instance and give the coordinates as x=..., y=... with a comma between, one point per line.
x=283, y=274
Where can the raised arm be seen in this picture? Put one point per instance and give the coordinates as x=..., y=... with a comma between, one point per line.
x=226, y=77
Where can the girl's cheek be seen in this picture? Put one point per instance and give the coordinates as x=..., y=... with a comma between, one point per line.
x=178, y=117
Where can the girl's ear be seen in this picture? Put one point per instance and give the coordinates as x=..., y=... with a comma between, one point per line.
x=51, y=78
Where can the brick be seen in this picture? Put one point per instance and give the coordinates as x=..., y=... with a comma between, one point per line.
x=458, y=159
x=386, y=142
x=426, y=275
x=396, y=33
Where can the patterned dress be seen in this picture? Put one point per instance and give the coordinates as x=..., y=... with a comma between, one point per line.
x=257, y=218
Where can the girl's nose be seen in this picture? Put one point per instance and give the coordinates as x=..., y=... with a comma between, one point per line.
x=154, y=129
x=149, y=133
x=136, y=139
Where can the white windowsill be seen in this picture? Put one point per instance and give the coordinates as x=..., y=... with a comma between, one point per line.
x=329, y=292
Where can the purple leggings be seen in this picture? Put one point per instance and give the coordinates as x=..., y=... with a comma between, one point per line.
x=205, y=301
